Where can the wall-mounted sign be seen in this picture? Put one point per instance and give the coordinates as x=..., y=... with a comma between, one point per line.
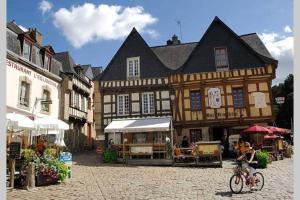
x=279, y=100
x=29, y=72
x=259, y=99
x=214, y=97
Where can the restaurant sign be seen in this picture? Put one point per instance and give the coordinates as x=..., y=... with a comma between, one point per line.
x=15, y=150
x=214, y=97
x=29, y=72
x=279, y=100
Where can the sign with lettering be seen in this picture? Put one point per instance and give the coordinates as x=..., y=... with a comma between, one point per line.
x=66, y=157
x=15, y=150
x=214, y=97
x=259, y=99
x=279, y=100
x=29, y=72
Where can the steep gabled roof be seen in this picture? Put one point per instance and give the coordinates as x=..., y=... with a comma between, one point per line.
x=256, y=44
x=67, y=61
x=14, y=27
x=218, y=34
x=174, y=56
x=134, y=46
x=87, y=70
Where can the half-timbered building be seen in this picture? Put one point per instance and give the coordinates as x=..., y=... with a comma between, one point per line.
x=224, y=86
x=212, y=88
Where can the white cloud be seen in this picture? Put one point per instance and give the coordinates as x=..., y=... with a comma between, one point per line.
x=287, y=29
x=88, y=22
x=281, y=48
x=45, y=6
x=23, y=28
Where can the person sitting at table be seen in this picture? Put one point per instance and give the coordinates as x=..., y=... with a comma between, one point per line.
x=178, y=153
x=185, y=142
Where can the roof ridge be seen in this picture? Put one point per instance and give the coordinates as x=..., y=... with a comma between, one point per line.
x=173, y=45
x=248, y=34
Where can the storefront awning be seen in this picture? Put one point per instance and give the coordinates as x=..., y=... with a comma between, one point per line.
x=139, y=125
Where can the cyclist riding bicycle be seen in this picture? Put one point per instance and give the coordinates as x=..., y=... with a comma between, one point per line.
x=250, y=163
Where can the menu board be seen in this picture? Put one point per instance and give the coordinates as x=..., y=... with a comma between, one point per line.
x=15, y=150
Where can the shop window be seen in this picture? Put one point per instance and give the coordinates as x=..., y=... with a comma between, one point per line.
x=116, y=138
x=133, y=67
x=123, y=104
x=159, y=137
x=195, y=135
x=26, y=50
x=221, y=59
x=195, y=100
x=46, y=97
x=238, y=97
x=24, y=94
x=148, y=103
x=139, y=138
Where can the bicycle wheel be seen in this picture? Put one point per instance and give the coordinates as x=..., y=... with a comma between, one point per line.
x=236, y=183
x=260, y=181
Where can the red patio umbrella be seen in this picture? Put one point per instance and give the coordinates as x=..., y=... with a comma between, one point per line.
x=257, y=129
x=277, y=130
x=270, y=137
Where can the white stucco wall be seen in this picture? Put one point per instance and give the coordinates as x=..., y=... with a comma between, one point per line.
x=13, y=73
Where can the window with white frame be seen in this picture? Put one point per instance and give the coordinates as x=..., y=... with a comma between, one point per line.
x=148, y=103
x=24, y=94
x=26, y=50
x=123, y=104
x=133, y=67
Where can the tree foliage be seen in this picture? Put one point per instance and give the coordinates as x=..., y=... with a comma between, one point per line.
x=284, y=112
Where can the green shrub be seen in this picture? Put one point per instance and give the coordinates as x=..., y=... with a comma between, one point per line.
x=50, y=153
x=110, y=155
x=262, y=159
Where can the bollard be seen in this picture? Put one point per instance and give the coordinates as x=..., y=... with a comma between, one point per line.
x=30, y=176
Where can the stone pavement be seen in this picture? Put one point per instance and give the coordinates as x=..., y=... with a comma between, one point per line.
x=92, y=180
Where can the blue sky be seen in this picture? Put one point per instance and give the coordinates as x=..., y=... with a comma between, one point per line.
x=94, y=30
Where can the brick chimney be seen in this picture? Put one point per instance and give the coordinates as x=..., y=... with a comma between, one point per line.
x=174, y=40
x=34, y=33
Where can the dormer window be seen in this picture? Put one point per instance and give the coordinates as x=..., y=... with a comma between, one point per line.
x=221, y=59
x=133, y=67
x=47, y=62
x=26, y=50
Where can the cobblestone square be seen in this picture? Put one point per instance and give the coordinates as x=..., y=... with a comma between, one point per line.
x=92, y=180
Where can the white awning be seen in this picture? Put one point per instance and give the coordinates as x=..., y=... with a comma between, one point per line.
x=139, y=125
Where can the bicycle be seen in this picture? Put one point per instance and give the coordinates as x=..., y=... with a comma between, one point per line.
x=237, y=180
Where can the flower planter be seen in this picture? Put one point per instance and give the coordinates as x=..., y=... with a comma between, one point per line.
x=42, y=180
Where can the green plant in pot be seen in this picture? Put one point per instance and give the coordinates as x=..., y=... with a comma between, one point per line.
x=262, y=159
x=110, y=155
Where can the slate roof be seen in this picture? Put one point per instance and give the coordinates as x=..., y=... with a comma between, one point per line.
x=245, y=51
x=14, y=27
x=254, y=41
x=67, y=62
x=174, y=56
x=134, y=46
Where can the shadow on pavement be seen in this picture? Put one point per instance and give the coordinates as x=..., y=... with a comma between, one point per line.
x=229, y=193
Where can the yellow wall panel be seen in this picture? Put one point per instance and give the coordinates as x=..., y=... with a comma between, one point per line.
x=203, y=76
x=263, y=86
x=214, y=75
x=191, y=77
x=235, y=73
x=206, y=101
x=184, y=77
x=186, y=93
x=270, y=70
x=200, y=115
x=227, y=74
x=187, y=115
x=209, y=75
x=251, y=99
x=223, y=101
x=230, y=110
x=228, y=88
x=229, y=100
x=267, y=97
x=266, y=111
x=244, y=112
x=194, y=115
x=221, y=113
x=252, y=87
x=210, y=114
x=198, y=77
x=254, y=112
x=242, y=72
x=187, y=103
x=249, y=72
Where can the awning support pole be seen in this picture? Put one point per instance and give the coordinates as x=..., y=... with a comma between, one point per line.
x=172, y=137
